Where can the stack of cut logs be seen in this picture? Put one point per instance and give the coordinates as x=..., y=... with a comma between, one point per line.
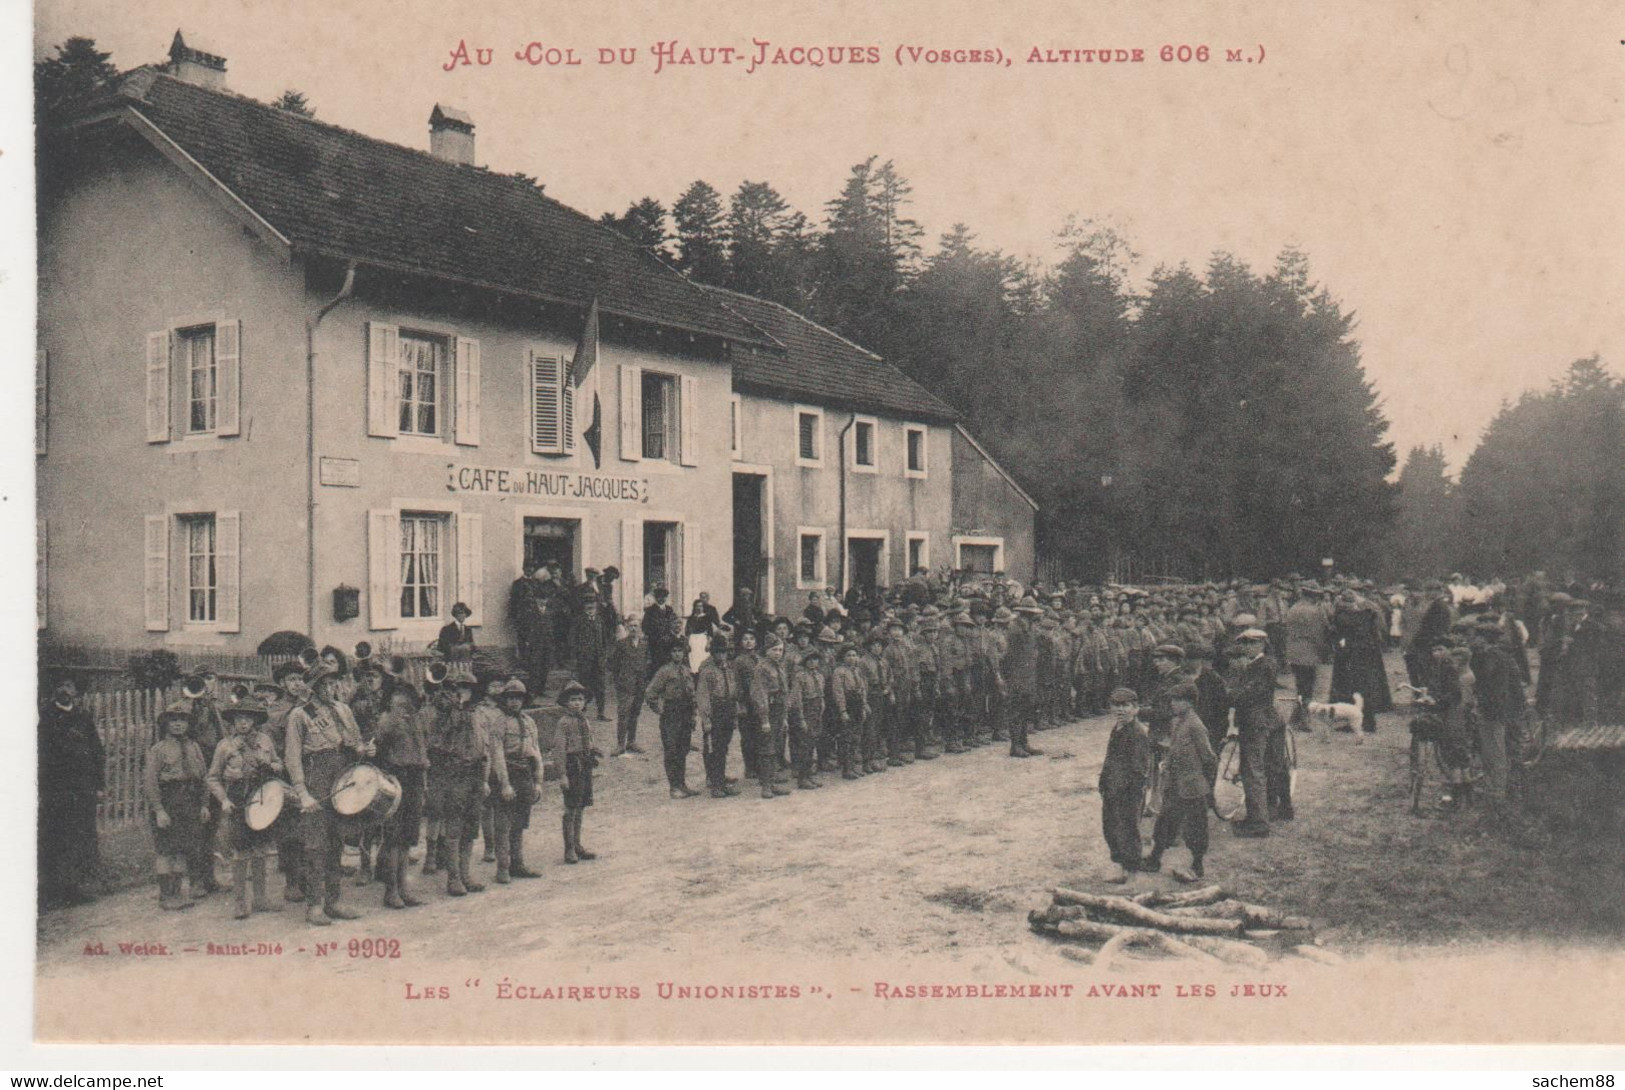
x=1198, y=925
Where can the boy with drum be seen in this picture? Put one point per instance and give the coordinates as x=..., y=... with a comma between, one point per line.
x=243, y=761
x=177, y=805
x=322, y=741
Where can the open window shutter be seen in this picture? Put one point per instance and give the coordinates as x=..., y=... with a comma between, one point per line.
x=157, y=573
x=468, y=392
x=631, y=414
x=228, y=352
x=568, y=400
x=688, y=410
x=545, y=417
x=158, y=392
x=690, y=548
x=383, y=568
x=632, y=565
x=228, y=570
x=471, y=565
x=383, y=376
x=42, y=415
x=42, y=557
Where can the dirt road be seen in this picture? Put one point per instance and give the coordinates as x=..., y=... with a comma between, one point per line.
x=943, y=857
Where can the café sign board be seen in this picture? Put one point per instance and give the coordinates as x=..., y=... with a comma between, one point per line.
x=546, y=484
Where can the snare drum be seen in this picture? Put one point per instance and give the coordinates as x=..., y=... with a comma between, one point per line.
x=265, y=805
x=366, y=792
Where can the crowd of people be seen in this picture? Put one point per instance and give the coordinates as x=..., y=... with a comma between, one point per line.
x=853, y=686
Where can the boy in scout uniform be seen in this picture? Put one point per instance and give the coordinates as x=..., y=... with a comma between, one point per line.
x=514, y=735
x=806, y=706
x=403, y=752
x=629, y=668
x=322, y=741
x=244, y=760
x=575, y=742
x=716, y=703
x=177, y=803
x=770, y=688
x=900, y=661
x=849, y=693
x=459, y=771
x=671, y=697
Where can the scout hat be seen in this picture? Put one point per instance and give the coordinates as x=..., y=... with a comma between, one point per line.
x=572, y=688
x=319, y=671
x=514, y=687
x=1168, y=651
x=253, y=709
x=461, y=608
x=1123, y=696
x=772, y=642
x=1003, y=616
x=827, y=635
x=1243, y=620
x=177, y=710
x=1253, y=635
x=1029, y=605
x=963, y=620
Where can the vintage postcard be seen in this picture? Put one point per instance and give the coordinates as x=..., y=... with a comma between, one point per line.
x=918, y=523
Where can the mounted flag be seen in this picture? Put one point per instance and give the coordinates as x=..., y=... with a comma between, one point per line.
x=583, y=366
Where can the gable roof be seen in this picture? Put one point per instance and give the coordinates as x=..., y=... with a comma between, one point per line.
x=821, y=367
x=336, y=193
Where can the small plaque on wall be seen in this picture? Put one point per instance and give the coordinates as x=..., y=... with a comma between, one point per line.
x=341, y=472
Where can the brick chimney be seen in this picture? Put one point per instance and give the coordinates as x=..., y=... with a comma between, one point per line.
x=451, y=135
x=196, y=65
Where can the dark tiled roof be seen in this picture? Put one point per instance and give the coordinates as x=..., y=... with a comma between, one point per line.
x=338, y=193
x=823, y=368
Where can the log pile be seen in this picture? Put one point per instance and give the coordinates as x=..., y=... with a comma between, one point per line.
x=1203, y=926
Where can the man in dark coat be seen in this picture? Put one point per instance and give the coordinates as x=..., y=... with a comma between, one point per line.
x=1432, y=629
x=532, y=628
x=72, y=771
x=662, y=628
x=1357, y=667
x=1252, y=694
x=744, y=616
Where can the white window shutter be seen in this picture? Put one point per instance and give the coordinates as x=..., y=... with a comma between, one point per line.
x=567, y=398
x=228, y=352
x=632, y=565
x=468, y=392
x=228, y=570
x=42, y=402
x=384, y=568
x=631, y=413
x=688, y=409
x=158, y=395
x=383, y=380
x=42, y=559
x=545, y=416
x=691, y=549
x=157, y=573
x=471, y=565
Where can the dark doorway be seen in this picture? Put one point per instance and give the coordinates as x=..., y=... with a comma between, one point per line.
x=750, y=558
x=660, y=559
x=865, y=560
x=550, y=540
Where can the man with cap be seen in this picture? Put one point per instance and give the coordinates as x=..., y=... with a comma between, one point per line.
x=1308, y=641
x=769, y=696
x=1252, y=694
x=1158, y=709
x=1192, y=768
x=878, y=686
x=924, y=650
x=1502, y=704
x=1019, y=672
x=743, y=616
x=72, y=777
x=527, y=615
x=671, y=697
x=900, y=663
x=322, y=740
x=243, y=761
x=1123, y=776
x=716, y=705
x=591, y=649
x=661, y=628
x=629, y=667
x=517, y=755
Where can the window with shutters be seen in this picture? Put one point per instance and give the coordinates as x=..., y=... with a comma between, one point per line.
x=914, y=440
x=194, y=349
x=420, y=384
x=809, y=437
x=423, y=565
x=810, y=573
x=865, y=435
x=201, y=574
x=552, y=406
x=660, y=416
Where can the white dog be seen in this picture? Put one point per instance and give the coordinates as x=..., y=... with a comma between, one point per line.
x=1347, y=717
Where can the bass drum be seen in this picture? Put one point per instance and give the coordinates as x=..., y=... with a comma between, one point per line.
x=266, y=804
x=366, y=793
x=1229, y=800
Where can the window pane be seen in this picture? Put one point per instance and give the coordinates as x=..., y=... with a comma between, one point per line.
x=865, y=444
x=916, y=451
x=809, y=558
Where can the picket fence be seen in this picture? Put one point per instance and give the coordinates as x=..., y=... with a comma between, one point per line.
x=127, y=721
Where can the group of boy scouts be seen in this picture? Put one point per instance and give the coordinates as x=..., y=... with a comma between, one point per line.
x=932, y=667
